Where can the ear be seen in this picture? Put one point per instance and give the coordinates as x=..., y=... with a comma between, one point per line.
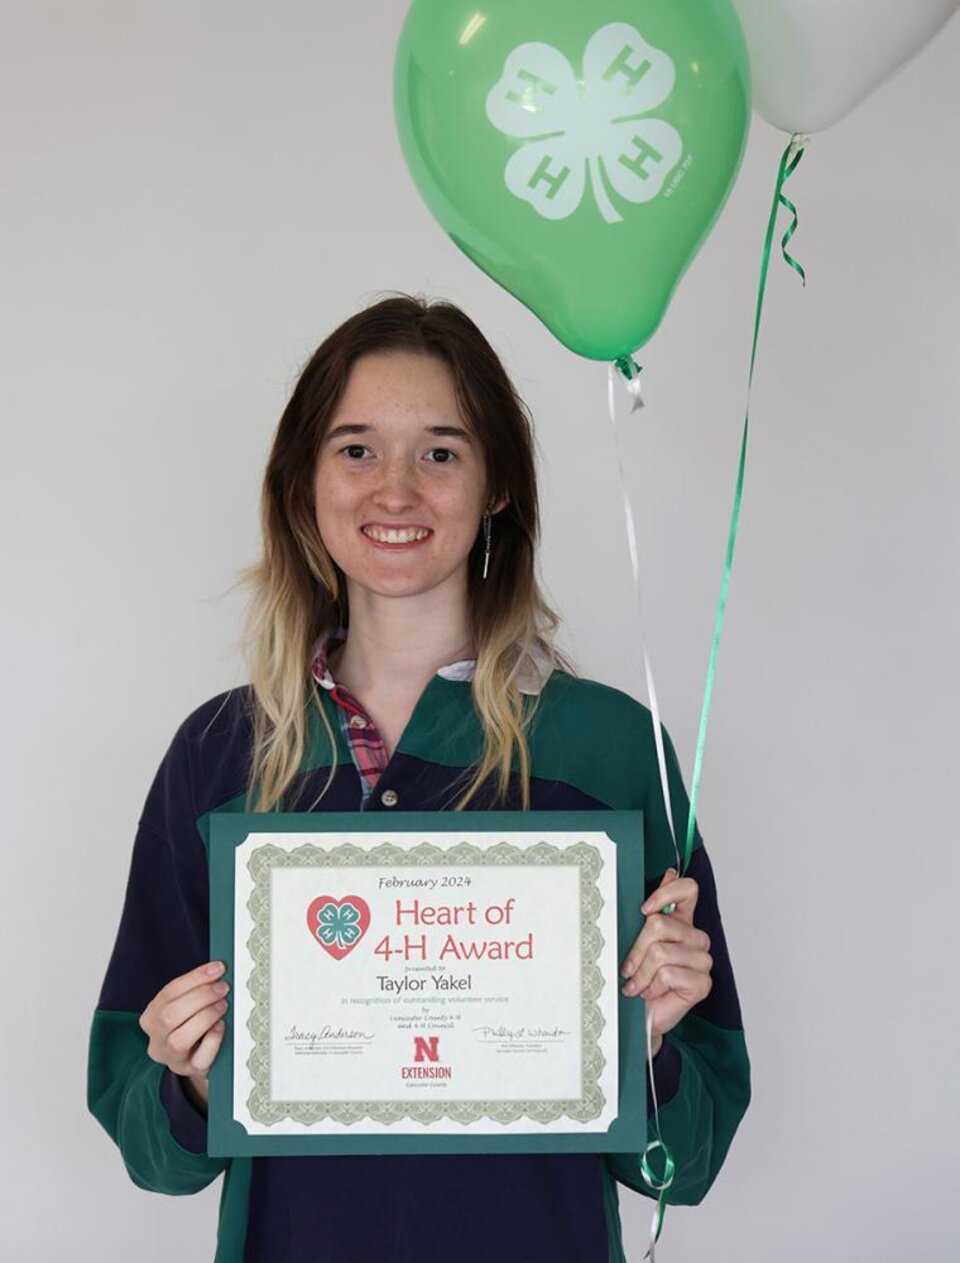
x=495, y=506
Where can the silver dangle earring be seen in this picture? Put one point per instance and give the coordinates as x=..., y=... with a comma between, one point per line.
x=487, y=527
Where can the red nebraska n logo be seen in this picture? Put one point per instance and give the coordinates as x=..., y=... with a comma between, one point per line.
x=426, y=1048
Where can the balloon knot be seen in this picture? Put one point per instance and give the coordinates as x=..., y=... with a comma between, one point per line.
x=630, y=371
x=628, y=367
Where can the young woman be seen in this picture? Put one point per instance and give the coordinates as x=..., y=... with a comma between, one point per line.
x=402, y=660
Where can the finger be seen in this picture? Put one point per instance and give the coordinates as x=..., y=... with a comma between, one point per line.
x=672, y=889
x=206, y=1051
x=668, y=876
x=186, y=982
x=689, y=985
x=663, y=955
x=181, y=1043
x=667, y=929
x=682, y=892
x=178, y=1011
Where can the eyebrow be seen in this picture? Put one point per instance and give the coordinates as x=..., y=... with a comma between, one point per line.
x=438, y=431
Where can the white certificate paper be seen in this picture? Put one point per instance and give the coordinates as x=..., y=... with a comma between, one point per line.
x=418, y=982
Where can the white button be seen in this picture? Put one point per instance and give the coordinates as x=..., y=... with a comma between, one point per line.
x=389, y=798
x=357, y=721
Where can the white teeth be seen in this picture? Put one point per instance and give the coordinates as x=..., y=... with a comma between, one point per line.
x=405, y=535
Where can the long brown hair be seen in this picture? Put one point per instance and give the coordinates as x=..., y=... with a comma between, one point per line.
x=299, y=593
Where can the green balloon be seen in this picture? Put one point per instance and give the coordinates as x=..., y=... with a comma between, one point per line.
x=578, y=151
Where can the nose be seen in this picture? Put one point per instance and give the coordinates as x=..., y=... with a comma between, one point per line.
x=396, y=489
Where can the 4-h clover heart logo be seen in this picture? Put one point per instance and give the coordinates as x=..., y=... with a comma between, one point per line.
x=594, y=126
x=338, y=925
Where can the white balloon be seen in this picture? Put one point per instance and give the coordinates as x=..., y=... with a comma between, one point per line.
x=814, y=60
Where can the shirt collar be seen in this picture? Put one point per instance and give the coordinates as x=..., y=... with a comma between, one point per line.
x=530, y=680
x=322, y=650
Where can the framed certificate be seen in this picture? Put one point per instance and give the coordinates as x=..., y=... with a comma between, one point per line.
x=427, y=983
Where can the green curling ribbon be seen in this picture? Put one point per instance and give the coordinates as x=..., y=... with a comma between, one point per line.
x=797, y=146
x=669, y=1167
x=788, y=164
x=657, y=1186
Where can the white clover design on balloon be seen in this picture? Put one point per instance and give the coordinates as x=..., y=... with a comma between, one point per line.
x=595, y=125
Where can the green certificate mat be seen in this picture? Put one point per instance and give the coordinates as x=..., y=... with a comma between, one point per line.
x=431, y=982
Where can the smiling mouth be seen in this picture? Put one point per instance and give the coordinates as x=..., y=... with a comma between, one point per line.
x=396, y=534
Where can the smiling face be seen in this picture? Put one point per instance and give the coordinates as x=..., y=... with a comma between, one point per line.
x=400, y=481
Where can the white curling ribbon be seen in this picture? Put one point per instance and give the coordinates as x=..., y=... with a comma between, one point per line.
x=635, y=391
x=635, y=566
x=651, y=1253
x=633, y=386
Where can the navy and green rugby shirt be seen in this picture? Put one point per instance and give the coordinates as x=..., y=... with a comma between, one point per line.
x=592, y=748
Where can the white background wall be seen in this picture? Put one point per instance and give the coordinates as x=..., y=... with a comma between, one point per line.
x=193, y=196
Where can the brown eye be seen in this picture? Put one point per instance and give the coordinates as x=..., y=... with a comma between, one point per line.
x=442, y=455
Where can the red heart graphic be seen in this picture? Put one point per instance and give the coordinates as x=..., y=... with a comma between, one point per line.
x=333, y=925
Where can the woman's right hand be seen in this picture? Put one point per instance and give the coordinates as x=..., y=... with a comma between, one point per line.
x=185, y=1029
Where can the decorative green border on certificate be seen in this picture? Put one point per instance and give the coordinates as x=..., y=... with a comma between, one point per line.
x=267, y=858
x=227, y=1137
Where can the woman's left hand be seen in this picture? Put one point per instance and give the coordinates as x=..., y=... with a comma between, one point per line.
x=670, y=963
